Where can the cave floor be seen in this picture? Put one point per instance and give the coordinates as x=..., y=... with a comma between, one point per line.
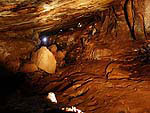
x=94, y=86
x=85, y=86
x=90, y=92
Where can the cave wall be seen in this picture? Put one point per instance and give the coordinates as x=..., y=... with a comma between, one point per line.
x=116, y=22
x=146, y=14
x=27, y=16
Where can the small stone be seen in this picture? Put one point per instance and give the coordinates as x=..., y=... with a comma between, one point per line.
x=45, y=60
x=27, y=68
x=53, y=49
x=60, y=55
x=60, y=58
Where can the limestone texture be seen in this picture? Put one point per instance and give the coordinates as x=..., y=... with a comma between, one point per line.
x=44, y=60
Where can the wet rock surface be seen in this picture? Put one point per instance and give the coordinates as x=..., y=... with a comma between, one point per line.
x=92, y=92
x=100, y=67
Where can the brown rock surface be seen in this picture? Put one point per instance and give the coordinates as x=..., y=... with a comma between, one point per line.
x=114, y=71
x=40, y=15
x=44, y=60
x=99, y=47
x=53, y=49
x=13, y=65
x=118, y=74
x=98, y=54
x=11, y=49
x=60, y=55
x=27, y=68
x=91, y=92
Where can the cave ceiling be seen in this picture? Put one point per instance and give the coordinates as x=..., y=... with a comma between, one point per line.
x=45, y=14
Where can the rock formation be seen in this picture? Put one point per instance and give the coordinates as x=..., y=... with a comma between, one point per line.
x=102, y=50
x=45, y=14
x=44, y=60
x=28, y=68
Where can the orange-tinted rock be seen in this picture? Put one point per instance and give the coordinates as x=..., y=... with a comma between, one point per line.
x=112, y=66
x=60, y=58
x=114, y=71
x=130, y=12
x=44, y=60
x=60, y=55
x=118, y=74
x=105, y=24
x=29, y=68
x=98, y=54
x=53, y=49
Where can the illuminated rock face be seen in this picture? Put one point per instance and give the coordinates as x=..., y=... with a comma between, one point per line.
x=147, y=15
x=40, y=15
x=44, y=60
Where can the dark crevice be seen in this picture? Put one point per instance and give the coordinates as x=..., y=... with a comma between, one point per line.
x=86, y=20
x=66, y=87
x=113, y=9
x=115, y=17
x=144, y=28
x=106, y=74
x=131, y=28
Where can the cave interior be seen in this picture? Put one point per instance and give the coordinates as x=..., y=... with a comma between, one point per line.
x=75, y=56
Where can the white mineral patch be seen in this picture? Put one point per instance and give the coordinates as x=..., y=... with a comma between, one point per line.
x=51, y=96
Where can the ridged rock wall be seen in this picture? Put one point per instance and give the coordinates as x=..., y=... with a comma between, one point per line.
x=105, y=45
x=24, y=20
x=16, y=15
